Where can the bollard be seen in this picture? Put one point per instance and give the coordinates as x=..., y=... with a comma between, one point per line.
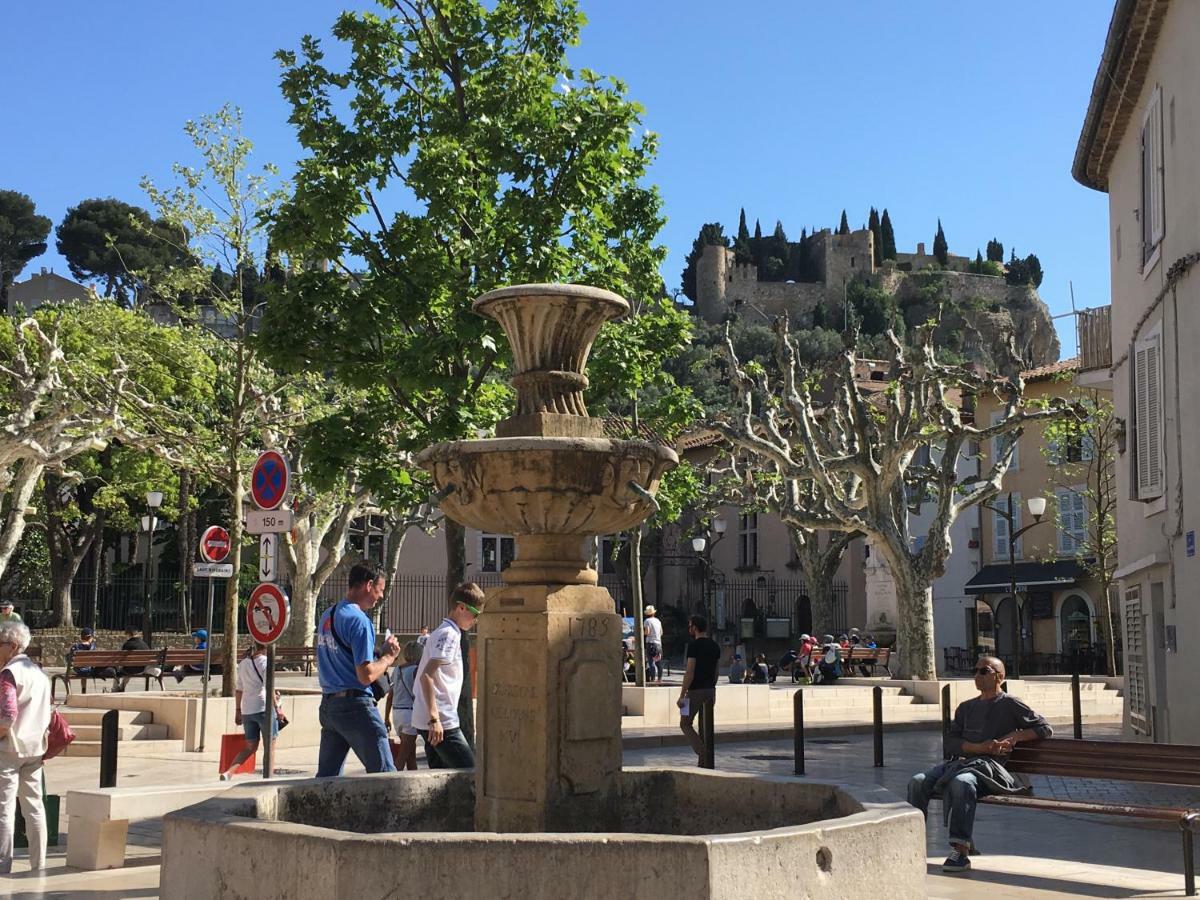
x=946, y=709
x=798, y=730
x=878, y=698
x=109, y=726
x=1076, y=707
x=706, y=733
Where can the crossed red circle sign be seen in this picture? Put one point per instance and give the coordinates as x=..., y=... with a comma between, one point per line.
x=269, y=481
x=214, y=544
x=267, y=613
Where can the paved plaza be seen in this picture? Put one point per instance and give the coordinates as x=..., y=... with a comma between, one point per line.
x=1024, y=854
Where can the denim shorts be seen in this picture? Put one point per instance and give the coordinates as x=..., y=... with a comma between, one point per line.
x=254, y=725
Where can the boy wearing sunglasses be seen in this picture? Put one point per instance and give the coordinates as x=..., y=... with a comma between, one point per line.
x=439, y=683
x=982, y=736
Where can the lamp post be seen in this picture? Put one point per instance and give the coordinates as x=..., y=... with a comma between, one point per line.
x=1037, y=509
x=154, y=500
x=703, y=548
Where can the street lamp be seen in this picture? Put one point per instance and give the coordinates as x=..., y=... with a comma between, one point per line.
x=1037, y=509
x=154, y=500
x=701, y=544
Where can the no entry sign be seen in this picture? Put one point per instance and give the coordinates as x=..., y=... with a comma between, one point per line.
x=269, y=481
x=267, y=613
x=214, y=544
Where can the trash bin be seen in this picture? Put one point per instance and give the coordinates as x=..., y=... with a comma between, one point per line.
x=52, y=803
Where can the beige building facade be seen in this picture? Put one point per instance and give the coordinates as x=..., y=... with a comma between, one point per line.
x=1140, y=144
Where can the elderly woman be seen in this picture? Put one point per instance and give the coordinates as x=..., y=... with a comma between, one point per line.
x=24, y=719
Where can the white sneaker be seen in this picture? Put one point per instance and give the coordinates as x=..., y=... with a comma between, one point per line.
x=225, y=776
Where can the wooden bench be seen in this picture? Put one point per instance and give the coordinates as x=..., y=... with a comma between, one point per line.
x=180, y=661
x=875, y=657
x=1176, y=764
x=97, y=661
x=306, y=656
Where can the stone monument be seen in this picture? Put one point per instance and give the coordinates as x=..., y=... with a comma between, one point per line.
x=549, y=717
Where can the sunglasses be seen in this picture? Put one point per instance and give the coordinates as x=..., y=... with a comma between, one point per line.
x=986, y=670
x=471, y=609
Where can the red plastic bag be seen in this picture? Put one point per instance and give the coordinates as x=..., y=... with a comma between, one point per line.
x=58, y=736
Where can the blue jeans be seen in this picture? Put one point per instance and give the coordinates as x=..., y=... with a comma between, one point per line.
x=452, y=753
x=653, y=661
x=959, y=797
x=254, y=725
x=352, y=723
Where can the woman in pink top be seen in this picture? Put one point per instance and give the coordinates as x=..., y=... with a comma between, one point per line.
x=24, y=719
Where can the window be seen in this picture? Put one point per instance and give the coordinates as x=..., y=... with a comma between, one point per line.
x=1152, y=217
x=1135, y=660
x=1148, y=461
x=1001, y=441
x=610, y=546
x=365, y=538
x=1077, y=448
x=1072, y=520
x=919, y=489
x=748, y=541
x=1000, y=527
x=496, y=551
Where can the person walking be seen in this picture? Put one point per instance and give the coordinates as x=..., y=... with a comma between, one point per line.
x=250, y=710
x=652, y=632
x=699, y=680
x=24, y=720
x=400, y=701
x=346, y=668
x=439, y=684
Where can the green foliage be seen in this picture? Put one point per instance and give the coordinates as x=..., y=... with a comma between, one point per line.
x=995, y=251
x=876, y=232
x=743, y=233
x=454, y=152
x=887, y=236
x=941, y=251
x=981, y=266
x=28, y=577
x=1024, y=271
x=711, y=234
x=876, y=308
x=107, y=241
x=844, y=225
x=22, y=236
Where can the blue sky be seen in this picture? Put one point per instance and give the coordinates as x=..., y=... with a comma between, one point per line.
x=967, y=111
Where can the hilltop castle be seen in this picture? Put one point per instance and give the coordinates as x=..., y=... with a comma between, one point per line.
x=723, y=284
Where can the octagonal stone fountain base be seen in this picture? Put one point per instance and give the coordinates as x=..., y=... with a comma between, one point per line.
x=684, y=835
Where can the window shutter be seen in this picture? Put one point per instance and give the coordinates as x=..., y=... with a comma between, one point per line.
x=999, y=534
x=1135, y=661
x=1072, y=520
x=1157, y=212
x=1147, y=372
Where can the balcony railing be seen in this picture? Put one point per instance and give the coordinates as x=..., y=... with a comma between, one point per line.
x=1093, y=329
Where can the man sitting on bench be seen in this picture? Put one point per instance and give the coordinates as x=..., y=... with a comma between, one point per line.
x=982, y=736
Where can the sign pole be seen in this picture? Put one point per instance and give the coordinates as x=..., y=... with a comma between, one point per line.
x=207, y=665
x=269, y=718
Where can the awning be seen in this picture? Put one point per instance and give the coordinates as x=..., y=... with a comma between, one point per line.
x=1047, y=576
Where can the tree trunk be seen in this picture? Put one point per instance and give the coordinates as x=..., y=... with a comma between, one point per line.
x=60, y=597
x=820, y=595
x=186, y=550
x=914, y=631
x=456, y=553
x=1106, y=628
x=232, y=594
x=20, y=492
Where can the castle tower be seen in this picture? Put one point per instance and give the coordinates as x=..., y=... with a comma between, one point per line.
x=712, y=274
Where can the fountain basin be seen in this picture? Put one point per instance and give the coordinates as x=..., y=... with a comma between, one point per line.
x=686, y=834
x=548, y=491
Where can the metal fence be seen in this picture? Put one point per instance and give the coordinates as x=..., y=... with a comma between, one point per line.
x=757, y=599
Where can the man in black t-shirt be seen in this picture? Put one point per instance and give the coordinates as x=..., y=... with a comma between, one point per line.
x=699, y=680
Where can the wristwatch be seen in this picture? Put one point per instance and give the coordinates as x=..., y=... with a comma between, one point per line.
x=435, y=721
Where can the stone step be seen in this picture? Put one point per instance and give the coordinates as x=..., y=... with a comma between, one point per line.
x=126, y=748
x=86, y=716
x=124, y=732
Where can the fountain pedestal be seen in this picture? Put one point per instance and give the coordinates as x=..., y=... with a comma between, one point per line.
x=549, y=695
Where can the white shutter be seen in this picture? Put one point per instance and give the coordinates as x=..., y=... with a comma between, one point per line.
x=1157, y=213
x=1148, y=421
x=1072, y=520
x=1135, y=661
x=1000, y=527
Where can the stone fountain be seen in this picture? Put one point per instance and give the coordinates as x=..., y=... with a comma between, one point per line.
x=549, y=812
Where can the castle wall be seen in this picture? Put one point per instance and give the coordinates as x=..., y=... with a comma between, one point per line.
x=712, y=272
x=849, y=256
x=762, y=301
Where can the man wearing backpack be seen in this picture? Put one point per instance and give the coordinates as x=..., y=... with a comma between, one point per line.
x=346, y=669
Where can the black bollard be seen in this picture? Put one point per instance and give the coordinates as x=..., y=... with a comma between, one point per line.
x=706, y=733
x=798, y=730
x=945, y=709
x=1076, y=707
x=878, y=698
x=108, y=748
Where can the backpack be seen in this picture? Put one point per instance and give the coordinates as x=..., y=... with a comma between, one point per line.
x=58, y=735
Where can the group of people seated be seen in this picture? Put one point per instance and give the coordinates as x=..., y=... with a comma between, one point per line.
x=87, y=641
x=821, y=662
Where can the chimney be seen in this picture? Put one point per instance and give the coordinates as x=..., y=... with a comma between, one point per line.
x=921, y=249
x=45, y=271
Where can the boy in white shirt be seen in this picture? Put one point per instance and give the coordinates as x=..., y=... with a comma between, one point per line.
x=439, y=684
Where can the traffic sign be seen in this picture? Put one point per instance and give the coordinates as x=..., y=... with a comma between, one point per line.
x=267, y=564
x=267, y=613
x=214, y=544
x=269, y=480
x=212, y=570
x=268, y=521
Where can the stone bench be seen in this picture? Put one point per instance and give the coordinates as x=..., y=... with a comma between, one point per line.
x=99, y=819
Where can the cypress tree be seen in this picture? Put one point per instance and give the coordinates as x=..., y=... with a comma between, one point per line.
x=757, y=230
x=940, y=250
x=743, y=232
x=995, y=251
x=844, y=227
x=887, y=236
x=873, y=226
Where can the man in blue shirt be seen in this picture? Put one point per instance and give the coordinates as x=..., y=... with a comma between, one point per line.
x=346, y=667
